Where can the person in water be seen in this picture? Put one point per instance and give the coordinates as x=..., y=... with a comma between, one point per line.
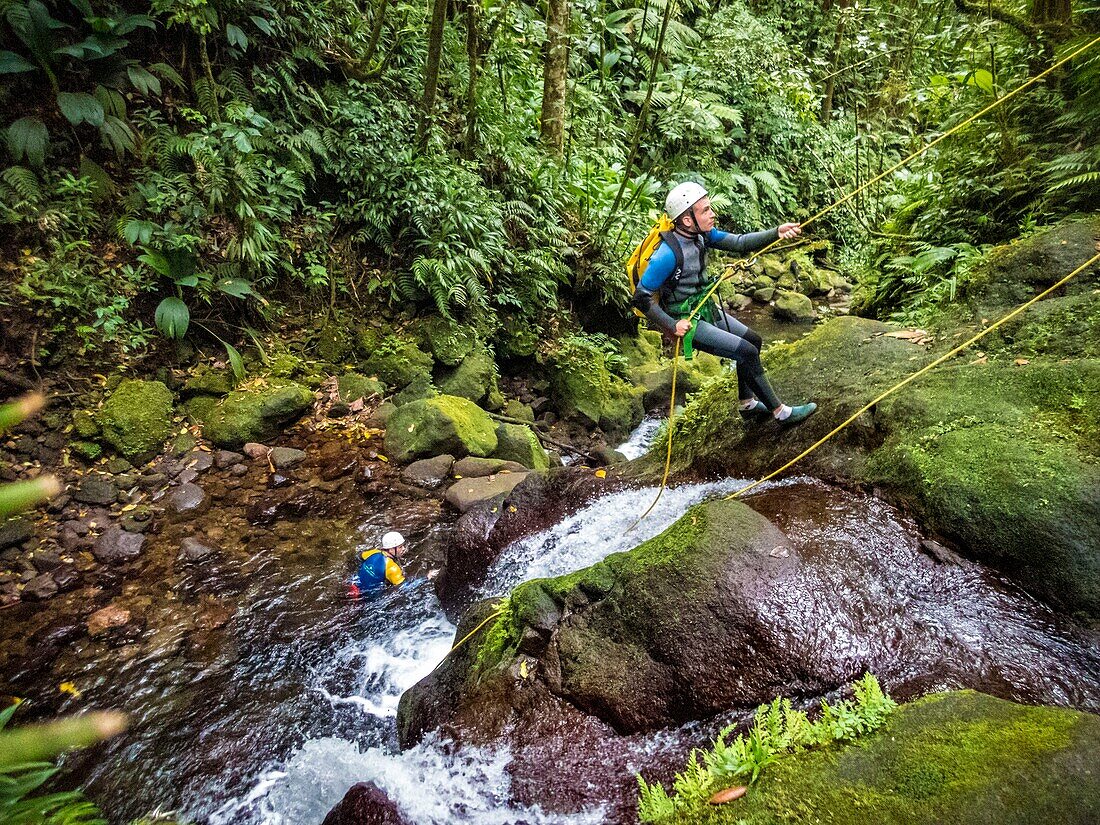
x=715, y=331
x=378, y=567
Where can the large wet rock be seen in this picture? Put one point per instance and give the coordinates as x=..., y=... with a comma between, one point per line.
x=724, y=610
x=397, y=361
x=468, y=492
x=117, y=545
x=995, y=451
x=136, y=419
x=366, y=804
x=442, y=425
x=959, y=757
x=256, y=413
x=447, y=341
x=584, y=387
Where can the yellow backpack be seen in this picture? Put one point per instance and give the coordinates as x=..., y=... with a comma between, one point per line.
x=639, y=259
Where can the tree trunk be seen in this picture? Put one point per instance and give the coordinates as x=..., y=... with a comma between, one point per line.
x=838, y=40
x=375, y=34
x=431, y=72
x=1051, y=12
x=473, y=58
x=555, y=69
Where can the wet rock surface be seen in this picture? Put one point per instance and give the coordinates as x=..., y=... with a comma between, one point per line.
x=366, y=804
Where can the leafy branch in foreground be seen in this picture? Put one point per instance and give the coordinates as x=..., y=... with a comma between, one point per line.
x=778, y=729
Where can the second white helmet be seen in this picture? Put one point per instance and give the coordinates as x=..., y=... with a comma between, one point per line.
x=392, y=539
x=682, y=198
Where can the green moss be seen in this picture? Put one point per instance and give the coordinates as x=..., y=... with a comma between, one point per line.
x=208, y=381
x=352, y=386
x=256, y=412
x=397, y=362
x=88, y=450
x=580, y=381
x=418, y=389
x=960, y=757
x=473, y=378
x=518, y=338
x=447, y=341
x=137, y=418
x=437, y=426
x=84, y=424
x=514, y=409
x=286, y=365
x=518, y=442
x=623, y=410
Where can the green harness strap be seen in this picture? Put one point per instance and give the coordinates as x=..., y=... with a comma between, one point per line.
x=683, y=310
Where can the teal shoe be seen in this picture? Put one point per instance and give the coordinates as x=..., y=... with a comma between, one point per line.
x=799, y=414
x=754, y=415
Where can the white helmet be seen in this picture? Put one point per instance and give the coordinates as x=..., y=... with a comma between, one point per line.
x=682, y=198
x=392, y=539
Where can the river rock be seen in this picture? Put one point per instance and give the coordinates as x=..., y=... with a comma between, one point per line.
x=136, y=419
x=283, y=458
x=763, y=296
x=96, y=489
x=227, y=458
x=338, y=466
x=793, y=306
x=437, y=426
x=467, y=492
x=428, y=472
x=116, y=545
x=67, y=577
x=118, y=465
x=107, y=618
x=15, y=531
x=40, y=588
x=472, y=378
x=256, y=414
x=186, y=500
x=289, y=504
x=254, y=450
x=46, y=558
x=474, y=467
x=518, y=443
x=366, y=804
x=198, y=460
x=193, y=549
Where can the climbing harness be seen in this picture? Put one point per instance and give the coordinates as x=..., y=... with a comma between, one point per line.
x=706, y=297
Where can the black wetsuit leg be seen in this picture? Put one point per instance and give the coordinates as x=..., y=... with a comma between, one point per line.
x=750, y=372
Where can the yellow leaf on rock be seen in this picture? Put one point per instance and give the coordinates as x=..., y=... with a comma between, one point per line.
x=70, y=688
x=511, y=508
x=383, y=458
x=523, y=669
x=601, y=473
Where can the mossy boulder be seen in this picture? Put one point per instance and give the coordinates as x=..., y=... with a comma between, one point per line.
x=136, y=419
x=418, y=389
x=518, y=337
x=1000, y=455
x=623, y=409
x=84, y=425
x=447, y=341
x=516, y=442
x=793, y=306
x=518, y=410
x=352, y=386
x=445, y=425
x=209, y=381
x=473, y=378
x=255, y=412
x=397, y=362
x=335, y=342
x=959, y=758
x=583, y=386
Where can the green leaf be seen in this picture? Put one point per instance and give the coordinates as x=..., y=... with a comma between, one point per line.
x=28, y=138
x=235, y=361
x=172, y=318
x=187, y=280
x=144, y=81
x=138, y=232
x=237, y=287
x=104, y=186
x=12, y=63
x=235, y=36
x=169, y=74
x=983, y=80
x=79, y=107
x=262, y=24
x=157, y=262
x=118, y=135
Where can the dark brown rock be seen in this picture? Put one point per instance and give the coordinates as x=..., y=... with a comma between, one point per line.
x=338, y=466
x=366, y=804
x=227, y=458
x=195, y=550
x=284, y=458
x=15, y=531
x=428, y=472
x=40, y=588
x=116, y=545
x=187, y=500
x=96, y=489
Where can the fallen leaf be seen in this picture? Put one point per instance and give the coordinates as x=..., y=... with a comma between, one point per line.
x=1019, y=362
x=601, y=473
x=383, y=458
x=980, y=360
x=70, y=688
x=511, y=508
x=523, y=669
x=729, y=794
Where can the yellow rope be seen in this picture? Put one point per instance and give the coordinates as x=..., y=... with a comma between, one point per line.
x=954, y=130
x=499, y=608
x=668, y=452
x=917, y=374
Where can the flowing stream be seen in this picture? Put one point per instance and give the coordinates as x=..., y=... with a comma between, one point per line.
x=299, y=700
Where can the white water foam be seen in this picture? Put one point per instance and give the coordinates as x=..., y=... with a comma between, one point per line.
x=597, y=531
x=433, y=783
x=640, y=440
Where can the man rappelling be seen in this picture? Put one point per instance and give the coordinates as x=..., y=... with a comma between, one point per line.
x=672, y=285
